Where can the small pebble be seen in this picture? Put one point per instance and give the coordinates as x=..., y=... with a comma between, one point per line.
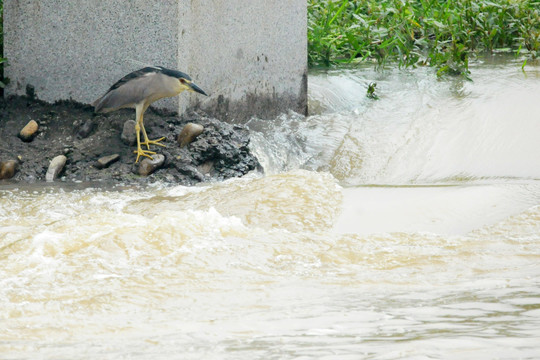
x=55, y=167
x=191, y=171
x=129, y=137
x=86, y=129
x=8, y=169
x=29, y=132
x=189, y=133
x=206, y=168
x=147, y=166
x=106, y=161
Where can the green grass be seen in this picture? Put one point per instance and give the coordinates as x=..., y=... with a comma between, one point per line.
x=444, y=34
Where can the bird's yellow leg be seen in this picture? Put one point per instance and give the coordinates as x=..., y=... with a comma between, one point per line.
x=140, y=152
x=146, y=141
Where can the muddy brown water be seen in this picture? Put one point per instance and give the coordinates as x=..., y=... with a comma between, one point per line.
x=403, y=228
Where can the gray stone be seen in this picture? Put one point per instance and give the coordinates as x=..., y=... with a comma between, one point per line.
x=207, y=167
x=8, y=169
x=129, y=137
x=106, y=161
x=148, y=166
x=86, y=128
x=189, y=133
x=28, y=132
x=55, y=167
x=190, y=171
x=259, y=66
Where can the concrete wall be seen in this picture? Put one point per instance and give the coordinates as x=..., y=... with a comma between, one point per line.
x=250, y=56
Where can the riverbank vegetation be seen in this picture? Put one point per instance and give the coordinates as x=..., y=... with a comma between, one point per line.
x=444, y=34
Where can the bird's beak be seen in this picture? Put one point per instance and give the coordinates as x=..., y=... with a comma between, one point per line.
x=195, y=88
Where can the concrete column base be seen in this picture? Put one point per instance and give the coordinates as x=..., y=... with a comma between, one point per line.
x=250, y=56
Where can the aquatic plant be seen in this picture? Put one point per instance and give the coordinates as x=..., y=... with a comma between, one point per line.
x=370, y=93
x=444, y=34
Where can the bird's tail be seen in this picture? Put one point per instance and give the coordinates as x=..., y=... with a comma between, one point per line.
x=98, y=104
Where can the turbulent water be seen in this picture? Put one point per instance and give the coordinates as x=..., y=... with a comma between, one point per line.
x=402, y=228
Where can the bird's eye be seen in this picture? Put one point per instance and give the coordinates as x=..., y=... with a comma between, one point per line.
x=183, y=81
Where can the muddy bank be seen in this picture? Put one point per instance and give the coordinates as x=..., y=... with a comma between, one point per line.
x=220, y=152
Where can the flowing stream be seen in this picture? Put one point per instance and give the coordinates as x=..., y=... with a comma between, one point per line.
x=401, y=228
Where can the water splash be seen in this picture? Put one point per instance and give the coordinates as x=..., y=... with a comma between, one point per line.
x=422, y=130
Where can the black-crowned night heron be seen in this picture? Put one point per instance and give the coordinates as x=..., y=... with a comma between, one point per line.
x=138, y=90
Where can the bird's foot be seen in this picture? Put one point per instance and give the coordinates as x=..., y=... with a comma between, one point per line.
x=140, y=152
x=153, y=142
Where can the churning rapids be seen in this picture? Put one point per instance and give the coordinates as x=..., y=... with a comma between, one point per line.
x=402, y=228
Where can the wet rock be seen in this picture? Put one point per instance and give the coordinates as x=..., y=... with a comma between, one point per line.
x=8, y=169
x=86, y=129
x=190, y=171
x=227, y=147
x=106, y=161
x=207, y=167
x=189, y=133
x=29, y=132
x=129, y=137
x=148, y=166
x=55, y=167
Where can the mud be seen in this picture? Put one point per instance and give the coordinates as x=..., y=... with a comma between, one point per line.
x=67, y=128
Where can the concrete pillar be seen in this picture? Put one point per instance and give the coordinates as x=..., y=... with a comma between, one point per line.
x=250, y=56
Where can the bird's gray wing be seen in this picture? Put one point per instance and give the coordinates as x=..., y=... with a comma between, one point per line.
x=128, y=91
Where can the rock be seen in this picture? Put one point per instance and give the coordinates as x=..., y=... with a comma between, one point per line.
x=86, y=129
x=206, y=168
x=8, y=169
x=29, y=132
x=129, y=137
x=227, y=147
x=191, y=171
x=106, y=161
x=147, y=166
x=55, y=167
x=189, y=133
